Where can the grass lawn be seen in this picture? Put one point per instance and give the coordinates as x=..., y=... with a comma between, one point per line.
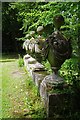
x=19, y=94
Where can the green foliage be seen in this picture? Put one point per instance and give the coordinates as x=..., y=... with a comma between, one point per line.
x=20, y=61
x=32, y=14
x=47, y=66
x=29, y=15
x=69, y=70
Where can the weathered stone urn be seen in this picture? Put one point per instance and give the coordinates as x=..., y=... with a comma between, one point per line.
x=57, y=48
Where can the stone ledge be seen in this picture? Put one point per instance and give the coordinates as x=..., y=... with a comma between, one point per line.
x=38, y=76
x=36, y=69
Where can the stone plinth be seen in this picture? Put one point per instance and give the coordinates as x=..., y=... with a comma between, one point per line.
x=59, y=105
x=49, y=84
x=54, y=97
x=38, y=76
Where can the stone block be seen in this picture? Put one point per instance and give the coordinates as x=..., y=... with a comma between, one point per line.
x=59, y=104
x=38, y=76
x=56, y=101
x=50, y=83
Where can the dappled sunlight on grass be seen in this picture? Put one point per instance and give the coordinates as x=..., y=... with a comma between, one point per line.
x=19, y=98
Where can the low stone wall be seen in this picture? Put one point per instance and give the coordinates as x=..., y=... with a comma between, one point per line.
x=57, y=103
x=36, y=69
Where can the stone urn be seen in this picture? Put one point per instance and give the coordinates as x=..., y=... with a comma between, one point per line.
x=57, y=48
x=39, y=44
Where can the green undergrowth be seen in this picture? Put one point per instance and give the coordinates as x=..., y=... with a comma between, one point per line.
x=69, y=70
x=47, y=66
x=19, y=94
x=20, y=61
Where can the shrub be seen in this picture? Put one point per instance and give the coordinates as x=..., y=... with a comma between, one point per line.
x=20, y=61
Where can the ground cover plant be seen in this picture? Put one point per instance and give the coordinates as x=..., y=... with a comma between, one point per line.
x=19, y=95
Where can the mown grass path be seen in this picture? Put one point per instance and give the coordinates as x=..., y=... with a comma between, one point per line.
x=19, y=95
